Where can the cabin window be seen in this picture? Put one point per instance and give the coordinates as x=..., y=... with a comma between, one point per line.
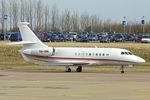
x=99, y=54
x=103, y=54
x=89, y=54
x=122, y=53
x=96, y=54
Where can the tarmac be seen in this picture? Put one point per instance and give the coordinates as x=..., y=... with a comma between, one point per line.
x=74, y=86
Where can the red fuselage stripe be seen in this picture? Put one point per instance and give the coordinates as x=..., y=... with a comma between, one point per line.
x=83, y=59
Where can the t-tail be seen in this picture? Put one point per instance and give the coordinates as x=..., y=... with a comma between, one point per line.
x=30, y=40
x=32, y=46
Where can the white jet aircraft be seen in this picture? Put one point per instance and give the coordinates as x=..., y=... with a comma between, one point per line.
x=34, y=49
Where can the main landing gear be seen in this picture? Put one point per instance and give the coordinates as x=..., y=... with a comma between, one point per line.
x=122, y=69
x=79, y=69
x=68, y=69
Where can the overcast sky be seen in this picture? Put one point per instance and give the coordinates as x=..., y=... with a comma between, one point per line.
x=113, y=9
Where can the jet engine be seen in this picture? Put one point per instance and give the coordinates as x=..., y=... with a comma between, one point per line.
x=40, y=52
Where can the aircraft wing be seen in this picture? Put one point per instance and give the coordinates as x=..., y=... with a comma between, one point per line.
x=60, y=63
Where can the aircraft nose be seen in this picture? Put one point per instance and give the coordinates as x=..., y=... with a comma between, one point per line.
x=140, y=60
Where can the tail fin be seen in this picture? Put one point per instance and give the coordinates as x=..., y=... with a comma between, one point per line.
x=29, y=38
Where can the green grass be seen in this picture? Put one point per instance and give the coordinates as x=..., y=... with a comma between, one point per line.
x=10, y=59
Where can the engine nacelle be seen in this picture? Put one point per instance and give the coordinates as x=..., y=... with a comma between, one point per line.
x=40, y=52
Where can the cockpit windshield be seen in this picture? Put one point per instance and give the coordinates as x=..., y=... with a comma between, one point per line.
x=126, y=53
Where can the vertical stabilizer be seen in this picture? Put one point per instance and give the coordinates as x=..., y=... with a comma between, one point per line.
x=28, y=36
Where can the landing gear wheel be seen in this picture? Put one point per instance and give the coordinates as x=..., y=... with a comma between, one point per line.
x=79, y=69
x=122, y=69
x=68, y=69
x=122, y=72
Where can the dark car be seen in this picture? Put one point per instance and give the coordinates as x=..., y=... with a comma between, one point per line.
x=68, y=37
x=57, y=37
x=100, y=36
x=103, y=39
x=54, y=38
x=93, y=37
x=130, y=37
x=46, y=37
x=107, y=38
x=61, y=37
x=1, y=36
x=82, y=37
x=15, y=37
x=8, y=34
x=119, y=38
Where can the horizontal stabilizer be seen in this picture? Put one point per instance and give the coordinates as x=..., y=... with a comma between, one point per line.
x=22, y=43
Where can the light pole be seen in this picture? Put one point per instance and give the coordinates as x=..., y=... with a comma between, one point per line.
x=5, y=24
x=143, y=23
x=124, y=22
x=91, y=24
x=110, y=27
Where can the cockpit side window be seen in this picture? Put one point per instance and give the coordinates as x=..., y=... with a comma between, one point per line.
x=130, y=53
x=122, y=53
x=126, y=53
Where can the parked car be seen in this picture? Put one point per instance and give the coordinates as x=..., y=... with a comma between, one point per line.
x=138, y=37
x=145, y=39
x=130, y=37
x=15, y=37
x=74, y=35
x=119, y=38
x=1, y=36
x=104, y=39
x=68, y=37
x=100, y=35
x=55, y=38
x=46, y=37
x=8, y=34
x=93, y=37
x=107, y=38
x=82, y=37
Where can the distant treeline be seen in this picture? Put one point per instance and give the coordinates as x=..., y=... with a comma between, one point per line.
x=42, y=17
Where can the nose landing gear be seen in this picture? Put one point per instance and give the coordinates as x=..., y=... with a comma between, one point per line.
x=122, y=69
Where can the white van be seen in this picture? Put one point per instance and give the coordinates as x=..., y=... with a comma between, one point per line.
x=74, y=34
x=146, y=39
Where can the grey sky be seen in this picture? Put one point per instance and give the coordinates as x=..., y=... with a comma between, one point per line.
x=113, y=9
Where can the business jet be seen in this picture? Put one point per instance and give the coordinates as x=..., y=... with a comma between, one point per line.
x=34, y=51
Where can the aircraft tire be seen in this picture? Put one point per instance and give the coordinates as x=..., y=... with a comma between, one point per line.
x=69, y=70
x=79, y=69
x=122, y=72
